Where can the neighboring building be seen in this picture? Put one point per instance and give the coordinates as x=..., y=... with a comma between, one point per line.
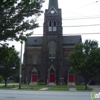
x=45, y=56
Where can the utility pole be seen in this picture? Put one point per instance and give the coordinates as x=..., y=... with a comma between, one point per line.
x=20, y=69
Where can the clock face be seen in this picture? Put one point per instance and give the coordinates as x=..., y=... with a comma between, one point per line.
x=52, y=11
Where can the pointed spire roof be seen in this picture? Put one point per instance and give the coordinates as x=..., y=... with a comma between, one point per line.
x=53, y=3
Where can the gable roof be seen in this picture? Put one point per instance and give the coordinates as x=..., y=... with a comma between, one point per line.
x=52, y=8
x=35, y=41
x=68, y=40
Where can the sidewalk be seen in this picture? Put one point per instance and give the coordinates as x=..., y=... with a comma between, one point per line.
x=95, y=87
x=72, y=86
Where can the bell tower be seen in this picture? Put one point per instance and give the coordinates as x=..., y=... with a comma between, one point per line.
x=52, y=42
x=52, y=19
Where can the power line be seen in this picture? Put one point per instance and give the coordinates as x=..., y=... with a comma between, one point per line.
x=78, y=13
x=98, y=33
x=83, y=25
x=80, y=25
x=71, y=34
x=81, y=18
x=76, y=18
x=90, y=4
x=64, y=34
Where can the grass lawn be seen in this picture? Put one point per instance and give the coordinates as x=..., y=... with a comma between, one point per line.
x=59, y=88
x=8, y=86
x=37, y=87
x=81, y=88
x=40, y=86
x=52, y=88
x=32, y=87
x=23, y=86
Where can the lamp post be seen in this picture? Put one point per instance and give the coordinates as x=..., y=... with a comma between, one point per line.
x=20, y=69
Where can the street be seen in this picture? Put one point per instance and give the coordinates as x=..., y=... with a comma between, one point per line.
x=43, y=95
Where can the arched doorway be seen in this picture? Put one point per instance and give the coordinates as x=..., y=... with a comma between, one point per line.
x=34, y=76
x=51, y=74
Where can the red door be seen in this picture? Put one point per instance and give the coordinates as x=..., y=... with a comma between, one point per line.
x=71, y=78
x=52, y=77
x=34, y=78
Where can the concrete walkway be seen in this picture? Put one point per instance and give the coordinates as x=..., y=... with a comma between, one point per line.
x=72, y=89
x=43, y=89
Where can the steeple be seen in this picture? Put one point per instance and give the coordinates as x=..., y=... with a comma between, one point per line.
x=53, y=3
x=52, y=20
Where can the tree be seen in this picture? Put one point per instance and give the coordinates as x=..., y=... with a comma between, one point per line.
x=17, y=21
x=9, y=63
x=17, y=17
x=1, y=78
x=85, y=60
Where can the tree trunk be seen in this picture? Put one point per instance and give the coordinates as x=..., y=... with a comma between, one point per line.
x=86, y=83
x=5, y=82
x=85, y=86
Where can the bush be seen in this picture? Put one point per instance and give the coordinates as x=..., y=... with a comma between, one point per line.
x=41, y=83
x=40, y=80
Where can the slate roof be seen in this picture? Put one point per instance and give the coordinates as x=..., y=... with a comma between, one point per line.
x=53, y=3
x=67, y=40
x=35, y=41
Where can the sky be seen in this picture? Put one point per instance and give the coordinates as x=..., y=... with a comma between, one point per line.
x=79, y=17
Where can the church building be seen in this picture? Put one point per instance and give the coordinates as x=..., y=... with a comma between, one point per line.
x=45, y=56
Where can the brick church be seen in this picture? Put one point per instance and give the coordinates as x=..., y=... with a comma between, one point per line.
x=45, y=56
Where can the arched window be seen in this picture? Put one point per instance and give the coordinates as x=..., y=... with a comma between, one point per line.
x=50, y=23
x=35, y=59
x=50, y=26
x=54, y=25
x=52, y=49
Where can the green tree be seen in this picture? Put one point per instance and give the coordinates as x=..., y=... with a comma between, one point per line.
x=9, y=63
x=1, y=78
x=85, y=60
x=17, y=17
x=17, y=21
